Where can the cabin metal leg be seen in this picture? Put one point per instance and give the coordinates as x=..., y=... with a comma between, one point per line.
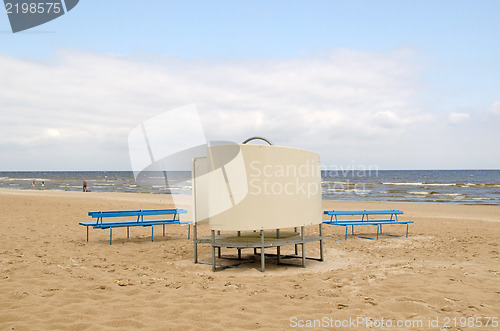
x=278, y=249
x=195, y=241
x=262, y=256
x=218, y=249
x=296, y=247
x=321, y=242
x=213, y=250
x=239, y=249
x=303, y=247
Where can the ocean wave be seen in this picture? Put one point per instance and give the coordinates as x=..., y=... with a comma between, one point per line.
x=13, y=179
x=325, y=183
x=419, y=184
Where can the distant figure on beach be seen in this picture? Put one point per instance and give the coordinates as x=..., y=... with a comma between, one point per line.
x=43, y=186
x=84, y=185
x=33, y=184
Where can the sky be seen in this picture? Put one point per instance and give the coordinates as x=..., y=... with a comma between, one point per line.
x=366, y=84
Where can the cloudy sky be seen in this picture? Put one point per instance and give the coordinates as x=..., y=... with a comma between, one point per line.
x=387, y=84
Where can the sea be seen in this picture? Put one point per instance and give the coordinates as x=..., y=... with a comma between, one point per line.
x=471, y=187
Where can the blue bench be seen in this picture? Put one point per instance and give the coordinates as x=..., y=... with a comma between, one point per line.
x=381, y=217
x=139, y=221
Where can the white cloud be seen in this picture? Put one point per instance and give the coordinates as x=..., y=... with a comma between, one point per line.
x=457, y=118
x=76, y=111
x=495, y=108
x=53, y=133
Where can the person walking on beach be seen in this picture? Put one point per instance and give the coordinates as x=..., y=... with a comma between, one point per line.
x=33, y=184
x=43, y=185
x=84, y=185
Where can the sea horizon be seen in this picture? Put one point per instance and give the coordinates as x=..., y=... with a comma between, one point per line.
x=464, y=186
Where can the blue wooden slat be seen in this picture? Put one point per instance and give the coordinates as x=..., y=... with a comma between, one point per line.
x=127, y=213
x=361, y=212
x=105, y=225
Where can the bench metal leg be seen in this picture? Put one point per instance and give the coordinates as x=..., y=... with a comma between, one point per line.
x=152, y=232
x=128, y=232
x=87, y=234
x=110, y=235
x=346, y=232
x=164, y=230
x=407, y=230
x=189, y=231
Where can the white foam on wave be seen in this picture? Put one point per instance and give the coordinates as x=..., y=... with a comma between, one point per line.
x=404, y=184
x=13, y=179
x=419, y=192
x=420, y=184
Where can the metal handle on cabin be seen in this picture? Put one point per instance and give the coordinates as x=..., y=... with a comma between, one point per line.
x=260, y=138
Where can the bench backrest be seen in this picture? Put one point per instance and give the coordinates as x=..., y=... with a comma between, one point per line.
x=138, y=213
x=361, y=212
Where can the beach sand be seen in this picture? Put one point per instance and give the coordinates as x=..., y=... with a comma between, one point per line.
x=51, y=278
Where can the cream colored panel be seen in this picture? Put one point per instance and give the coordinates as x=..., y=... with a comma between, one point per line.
x=235, y=173
x=219, y=198
x=283, y=188
x=199, y=181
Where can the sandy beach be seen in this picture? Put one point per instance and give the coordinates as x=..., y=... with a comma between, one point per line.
x=51, y=278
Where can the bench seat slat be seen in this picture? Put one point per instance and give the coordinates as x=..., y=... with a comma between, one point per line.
x=127, y=213
x=366, y=223
x=362, y=221
x=107, y=225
